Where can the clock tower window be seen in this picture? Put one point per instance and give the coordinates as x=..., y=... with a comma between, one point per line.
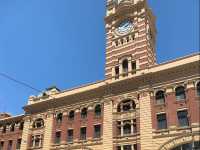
x=125, y=67
x=133, y=65
x=117, y=72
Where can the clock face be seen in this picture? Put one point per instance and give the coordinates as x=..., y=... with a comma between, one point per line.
x=124, y=27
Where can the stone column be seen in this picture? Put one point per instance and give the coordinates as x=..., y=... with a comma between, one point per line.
x=129, y=66
x=107, y=126
x=122, y=128
x=48, y=131
x=132, y=129
x=25, y=133
x=146, y=139
x=120, y=70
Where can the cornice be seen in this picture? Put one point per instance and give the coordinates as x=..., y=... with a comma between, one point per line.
x=12, y=119
x=105, y=92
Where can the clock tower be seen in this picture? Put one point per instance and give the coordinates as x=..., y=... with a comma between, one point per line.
x=130, y=36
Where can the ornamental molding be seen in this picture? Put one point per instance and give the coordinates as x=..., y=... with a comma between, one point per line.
x=183, y=139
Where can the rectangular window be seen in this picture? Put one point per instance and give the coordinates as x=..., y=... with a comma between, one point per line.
x=59, y=118
x=117, y=72
x=4, y=129
x=21, y=126
x=161, y=121
x=118, y=148
x=183, y=118
x=127, y=147
x=57, y=137
x=70, y=135
x=37, y=141
x=133, y=64
x=97, y=131
x=18, y=144
x=135, y=146
x=10, y=145
x=1, y=145
x=83, y=133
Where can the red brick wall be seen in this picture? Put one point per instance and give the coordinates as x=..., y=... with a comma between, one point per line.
x=172, y=105
x=76, y=124
x=14, y=136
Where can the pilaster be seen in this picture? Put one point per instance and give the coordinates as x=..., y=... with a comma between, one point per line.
x=25, y=133
x=48, y=131
x=107, y=126
x=146, y=139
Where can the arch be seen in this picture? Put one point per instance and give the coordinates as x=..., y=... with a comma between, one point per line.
x=71, y=115
x=188, y=146
x=84, y=113
x=97, y=110
x=59, y=117
x=125, y=66
x=176, y=142
x=38, y=123
x=126, y=105
x=180, y=93
x=160, y=97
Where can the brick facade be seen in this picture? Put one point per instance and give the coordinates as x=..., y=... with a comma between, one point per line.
x=140, y=105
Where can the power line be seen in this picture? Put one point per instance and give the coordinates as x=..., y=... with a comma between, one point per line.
x=19, y=82
x=23, y=84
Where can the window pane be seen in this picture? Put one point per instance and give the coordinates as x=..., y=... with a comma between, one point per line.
x=187, y=147
x=97, y=131
x=180, y=93
x=161, y=121
x=83, y=133
x=70, y=135
x=127, y=147
x=198, y=89
x=18, y=143
x=197, y=145
x=98, y=110
x=182, y=118
x=57, y=138
x=71, y=115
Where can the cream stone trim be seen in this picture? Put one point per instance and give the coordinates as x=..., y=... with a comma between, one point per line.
x=107, y=126
x=196, y=82
x=174, y=142
x=169, y=89
x=181, y=109
x=146, y=138
x=48, y=132
x=25, y=134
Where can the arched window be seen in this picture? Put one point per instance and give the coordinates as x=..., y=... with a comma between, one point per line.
x=189, y=146
x=126, y=105
x=59, y=118
x=4, y=129
x=97, y=110
x=71, y=115
x=125, y=67
x=127, y=128
x=180, y=93
x=198, y=89
x=38, y=123
x=21, y=126
x=160, y=97
x=12, y=128
x=84, y=113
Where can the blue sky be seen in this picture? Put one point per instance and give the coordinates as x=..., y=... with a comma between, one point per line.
x=62, y=42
